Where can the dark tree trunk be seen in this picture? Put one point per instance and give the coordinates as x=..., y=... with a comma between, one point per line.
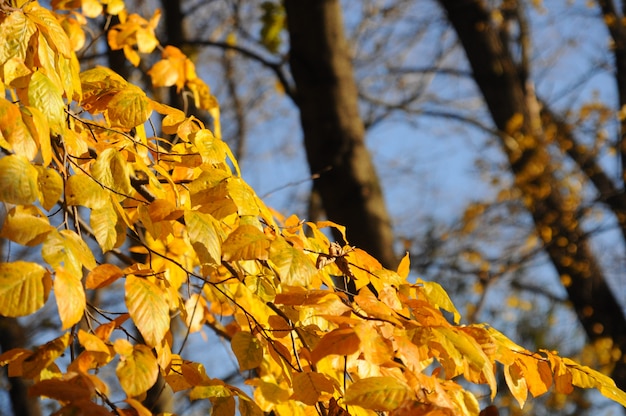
x=12, y=336
x=326, y=95
x=555, y=220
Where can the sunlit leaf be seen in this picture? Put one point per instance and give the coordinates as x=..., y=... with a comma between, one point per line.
x=342, y=341
x=378, y=393
x=66, y=249
x=128, y=108
x=309, y=386
x=246, y=243
x=12, y=130
x=24, y=288
x=91, y=342
x=294, y=267
x=15, y=32
x=439, y=297
x=247, y=349
x=18, y=180
x=148, y=307
x=44, y=356
x=103, y=275
x=83, y=190
x=49, y=25
x=70, y=297
x=46, y=96
x=112, y=172
x=195, y=308
x=138, y=369
x=206, y=236
x=585, y=377
x=103, y=222
x=517, y=383
x=50, y=185
x=25, y=225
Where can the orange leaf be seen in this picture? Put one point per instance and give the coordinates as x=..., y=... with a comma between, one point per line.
x=247, y=349
x=103, y=275
x=339, y=341
x=308, y=387
x=70, y=297
x=147, y=306
x=62, y=390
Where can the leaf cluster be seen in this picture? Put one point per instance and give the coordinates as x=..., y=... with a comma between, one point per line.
x=213, y=253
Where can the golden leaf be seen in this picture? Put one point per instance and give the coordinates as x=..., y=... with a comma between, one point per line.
x=26, y=225
x=50, y=185
x=102, y=276
x=379, y=393
x=83, y=190
x=46, y=96
x=247, y=349
x=138, y=369
x=206, y=236
x=342, y=341
x=246, y=243
x=294, y=267
x=147, y=306
x=66, y=249
x=309, y=386
x=18, y=180
x=15, y=32
x=24, y=288
x=70, y=297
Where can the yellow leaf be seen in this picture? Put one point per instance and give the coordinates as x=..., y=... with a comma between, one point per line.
x=129, y=108
x=46, y=96
x=91, y=342
x=70, y=297
x=379, y=393
x=104, y=223
x=516, y=382
x=12, y=130
x=585, y=377
x=215, y=388
x=437, y=296
x=16, y=73
x=206, y=236
x=148, y=308
x=66, y=249
x=50, y=185
x=24, y=288
x=15, y=32
x=49, y=25
x=91, y=8
x=26, y=225
x=308, y=387
x=22, y=136
x=246, y=243
x=103, y=275
x=247, y=349
x=112, y=172
x=342, y=341
x=244, y=197
x=195, y=308
x=138, y=369
x=293, y=266
x=18, y=180
x=404, y=268
x=83, y=190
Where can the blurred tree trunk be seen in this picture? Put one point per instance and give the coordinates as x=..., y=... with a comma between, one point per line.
x=12, y=336
x=334, y=135
x=515, y=112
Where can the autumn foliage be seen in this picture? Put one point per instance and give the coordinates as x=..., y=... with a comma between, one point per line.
x=130, y=175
